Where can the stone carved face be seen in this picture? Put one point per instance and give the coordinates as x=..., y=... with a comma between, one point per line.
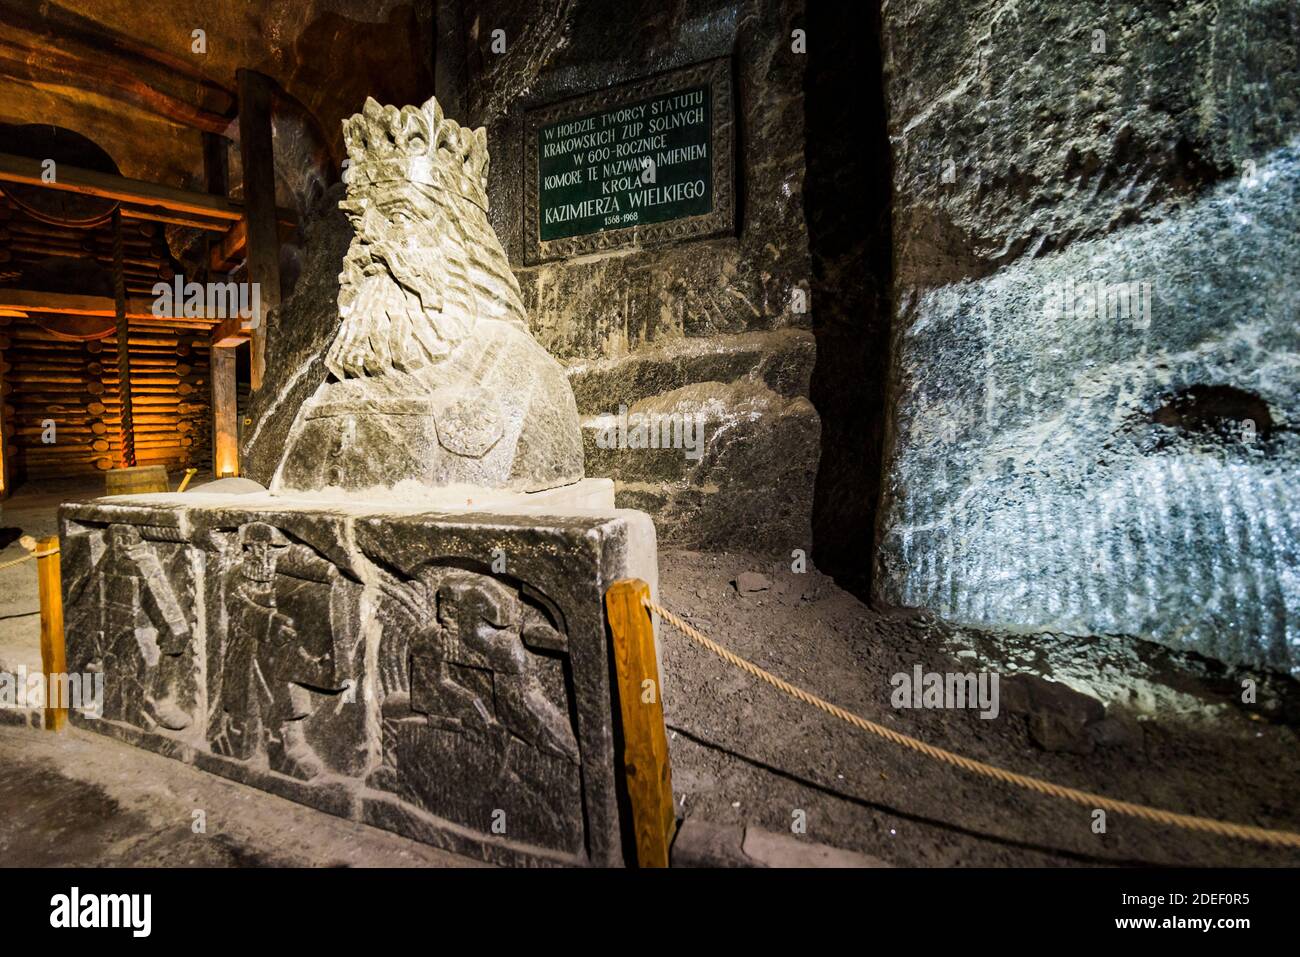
x=121, y=537
x=424, y=265
x=435, y=377
x=261, y=545
x=391, y=273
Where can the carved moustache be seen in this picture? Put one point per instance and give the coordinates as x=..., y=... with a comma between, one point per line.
x=413, y=269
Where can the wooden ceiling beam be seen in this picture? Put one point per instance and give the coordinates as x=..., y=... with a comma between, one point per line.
x=140, y=199
x=229, y=250
x=232, y=332
x=232, y=249
x=21, y=169
x=31, y=301
x=156, y=214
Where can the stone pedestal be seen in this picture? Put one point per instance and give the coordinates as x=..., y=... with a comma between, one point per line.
x=440, y=670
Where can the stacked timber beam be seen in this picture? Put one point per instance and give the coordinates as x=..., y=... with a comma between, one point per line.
x=74, y=385
x=138, y=404
x=26, y=241
x=169, y=392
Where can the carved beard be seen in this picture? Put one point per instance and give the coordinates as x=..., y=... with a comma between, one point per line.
x=415, y=268
x=393, y=316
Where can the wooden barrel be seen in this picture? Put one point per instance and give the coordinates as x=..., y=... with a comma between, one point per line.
x=136, y=481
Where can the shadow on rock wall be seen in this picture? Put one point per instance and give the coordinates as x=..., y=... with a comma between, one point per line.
x=846, y=202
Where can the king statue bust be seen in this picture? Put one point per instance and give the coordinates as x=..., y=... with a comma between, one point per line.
x=435, y=379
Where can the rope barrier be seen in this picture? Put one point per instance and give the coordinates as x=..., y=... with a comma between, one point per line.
x=1188, y=822
x=28, y=558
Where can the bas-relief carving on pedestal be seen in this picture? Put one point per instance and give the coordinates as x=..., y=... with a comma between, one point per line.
x=435, y=376
x=474, y=679
x=423, y=694
x=290, y=650
x=138, y=630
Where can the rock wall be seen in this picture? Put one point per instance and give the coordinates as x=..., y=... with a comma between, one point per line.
x=327, y=54
x=708, y=326
x=299, y=333
x=1095, y=347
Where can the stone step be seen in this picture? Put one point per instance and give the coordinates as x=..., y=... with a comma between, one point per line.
x=703, y=844
x=757, y=446
x=670, y=436
x=782, y=359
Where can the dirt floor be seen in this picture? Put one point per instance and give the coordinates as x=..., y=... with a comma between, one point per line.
x=78, y=799
x=1174, y=733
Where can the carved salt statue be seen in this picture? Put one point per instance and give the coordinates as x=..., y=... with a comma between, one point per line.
x=435, y=666
x=435, y=377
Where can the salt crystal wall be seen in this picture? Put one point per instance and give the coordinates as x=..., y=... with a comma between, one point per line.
x=1053, y=464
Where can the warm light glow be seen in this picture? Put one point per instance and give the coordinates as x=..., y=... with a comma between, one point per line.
x=227, y=458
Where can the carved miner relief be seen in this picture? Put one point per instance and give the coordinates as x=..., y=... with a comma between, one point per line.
x=435, y=377
x=359, y=674
x=474, y=678
x=134, y=606
x=290, y=659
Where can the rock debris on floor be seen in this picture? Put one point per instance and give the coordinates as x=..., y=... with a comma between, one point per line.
x=743, y=753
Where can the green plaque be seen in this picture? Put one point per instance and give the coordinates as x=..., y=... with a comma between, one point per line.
x=641, y=163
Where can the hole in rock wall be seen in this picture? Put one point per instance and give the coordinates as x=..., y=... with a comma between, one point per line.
x=1222, y=414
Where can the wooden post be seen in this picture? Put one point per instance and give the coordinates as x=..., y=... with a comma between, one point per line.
x=123, y=348
x=255, y=94
x=645, y=745
x=53, y=658
x=225, y=411
x=216, y=170
x=5, y=480
x=225, y=414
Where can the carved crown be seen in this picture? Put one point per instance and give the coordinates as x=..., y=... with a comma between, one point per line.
x=388, y=147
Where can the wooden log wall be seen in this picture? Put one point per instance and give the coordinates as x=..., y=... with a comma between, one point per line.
x=25, y=241
x=75, y=384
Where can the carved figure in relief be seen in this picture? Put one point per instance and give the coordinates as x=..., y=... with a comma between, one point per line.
x=275, y=666
x=143, y=629
x=472, y=651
